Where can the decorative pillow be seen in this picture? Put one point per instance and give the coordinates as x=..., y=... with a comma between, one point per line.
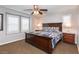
x=50, y=29
x=46, y=28
x=57, y=28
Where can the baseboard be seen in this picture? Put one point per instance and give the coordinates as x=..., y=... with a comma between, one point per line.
x=11, y=41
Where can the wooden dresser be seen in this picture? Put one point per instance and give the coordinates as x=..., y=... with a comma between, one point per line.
x=69, y=38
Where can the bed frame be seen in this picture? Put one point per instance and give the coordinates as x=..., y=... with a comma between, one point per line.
x=42, y=42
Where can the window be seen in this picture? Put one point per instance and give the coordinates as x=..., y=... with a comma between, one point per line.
x=24, y=24
x=16, y=24
x=13, y=22
x=1, y=22
x=67, y=21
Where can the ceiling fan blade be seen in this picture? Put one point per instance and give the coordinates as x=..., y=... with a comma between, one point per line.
x=28, y=9
x=43, y=10
x=32, y=9
x=40, y=12
x=36, y=8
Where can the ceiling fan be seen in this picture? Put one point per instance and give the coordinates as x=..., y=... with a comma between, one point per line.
x=36, y=10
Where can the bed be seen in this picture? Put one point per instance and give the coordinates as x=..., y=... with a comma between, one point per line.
x=48, y=38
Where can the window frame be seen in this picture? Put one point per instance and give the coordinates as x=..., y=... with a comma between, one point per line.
x=7, y=23
x=20, y=31
x=1, y=22
x=69, y=15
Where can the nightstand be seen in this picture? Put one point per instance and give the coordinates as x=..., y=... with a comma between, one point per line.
x=69, y=38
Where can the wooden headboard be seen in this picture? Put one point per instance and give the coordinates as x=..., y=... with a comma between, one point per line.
x=53, y=25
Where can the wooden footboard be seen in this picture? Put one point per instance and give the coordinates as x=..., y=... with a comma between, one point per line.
x=41, y=42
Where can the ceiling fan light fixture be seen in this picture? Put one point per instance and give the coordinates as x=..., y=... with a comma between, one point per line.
x=37, y=13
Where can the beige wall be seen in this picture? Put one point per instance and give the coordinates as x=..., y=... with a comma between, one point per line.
x=53, y=18
x=44, y=19
x=37, y=20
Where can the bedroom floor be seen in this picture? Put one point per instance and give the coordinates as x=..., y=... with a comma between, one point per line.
x=20, y=47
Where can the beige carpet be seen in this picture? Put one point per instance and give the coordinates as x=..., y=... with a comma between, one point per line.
x=20, y=47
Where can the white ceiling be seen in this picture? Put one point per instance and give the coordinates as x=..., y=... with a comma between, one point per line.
x=51, y=8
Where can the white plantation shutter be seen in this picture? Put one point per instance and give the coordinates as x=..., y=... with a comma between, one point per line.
x=24, y=24
x=13, y=24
